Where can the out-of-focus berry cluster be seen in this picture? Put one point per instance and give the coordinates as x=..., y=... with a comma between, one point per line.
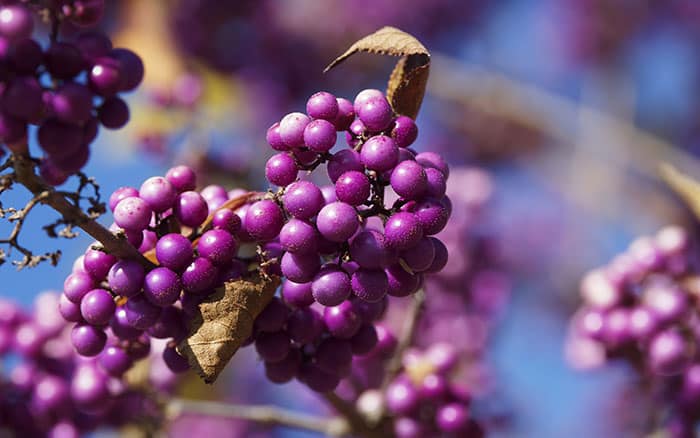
x=46, y=389
x=67, y=89
x=641, y=308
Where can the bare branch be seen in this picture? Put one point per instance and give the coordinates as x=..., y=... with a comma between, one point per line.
x=266, y=415
x=72, y=213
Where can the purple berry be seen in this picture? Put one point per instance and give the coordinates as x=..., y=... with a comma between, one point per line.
x=337, y=221
x=320, y=136
x=303, y=200
x=352, y=187
x=162, y=287
x=380, y=153
x=273, y=347
x=281, y=170
x=158, y=193
x=97, y=307
x=182, y=178
x=404, y=131
x=113, y=113
x=331, y=286
x=132, y=213
x=369, y=284
x=300, y=268
x=298, y=236
x=322, y=105
x=77, y=285
x=420, y=258
x=401, y=397
x=433, y=160
x=342, y=321
x=452, y=418
x=297, y=294
x=199, y=276
x=400, y=282
x=218, y=246
x=190, y=209
x=115, y=361
x=305, y=325
x=263, y=220
x=274, y=139
x=375, y=113
x=88, y=340
x=403, y=230
x=119, y=194
x=174, y=251
x=409, y=180
x=345, y=116
x=292, y=129
x=344, y=161
x=140, y=313
x=334, y=356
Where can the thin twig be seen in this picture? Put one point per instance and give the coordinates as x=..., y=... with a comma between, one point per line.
x=355, y=421
x=263, y=414
x=25, y=174
x=407, y=334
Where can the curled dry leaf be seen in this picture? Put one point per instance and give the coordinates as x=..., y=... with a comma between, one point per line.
x=685, y=186
x=407, y=82
x=223, y=322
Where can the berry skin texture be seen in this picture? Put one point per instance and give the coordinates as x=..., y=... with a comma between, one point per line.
x=162, y=287
x=380, y=153
x=298, y=236
x=190, y=208
x=292, y=129
x=320, y=136
x=403, y=230
x=409, y=180
x=263, y=220
x=404, y=131
x=132, y=213
x=331, y=286
x=352, y=187
x=303, y=200
x=174, y=251
x=281, y=170
x=370, y=284
x=322, y=105
x=342, y=162
x=337, y=221
x=97, y=307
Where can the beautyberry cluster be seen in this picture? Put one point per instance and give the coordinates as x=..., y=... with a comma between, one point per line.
x=48, y=390
x=118, y=305
x=67, y=89
x=642, y=308
x=341, y=249
x=426, y=401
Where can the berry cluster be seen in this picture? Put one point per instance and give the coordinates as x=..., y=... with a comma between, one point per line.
x=49, y=390
x=341, y=249
x=369, y=249
x=424, y=400
x=109, y=296
x=68, y=89
x=642, y=308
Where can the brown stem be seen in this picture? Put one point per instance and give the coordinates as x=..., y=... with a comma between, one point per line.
x=267, y=415
x=407, y=334
x=25, y=175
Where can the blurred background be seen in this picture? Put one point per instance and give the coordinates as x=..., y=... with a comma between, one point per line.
x=554, y=116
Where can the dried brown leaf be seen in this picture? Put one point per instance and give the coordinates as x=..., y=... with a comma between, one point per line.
x=684, y=186
x=224, y=321
x=407, y=82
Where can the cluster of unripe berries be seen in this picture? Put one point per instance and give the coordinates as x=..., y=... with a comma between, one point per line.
x=67, y=89
x=643, y=308
x=118, y=304
x=48, y=390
